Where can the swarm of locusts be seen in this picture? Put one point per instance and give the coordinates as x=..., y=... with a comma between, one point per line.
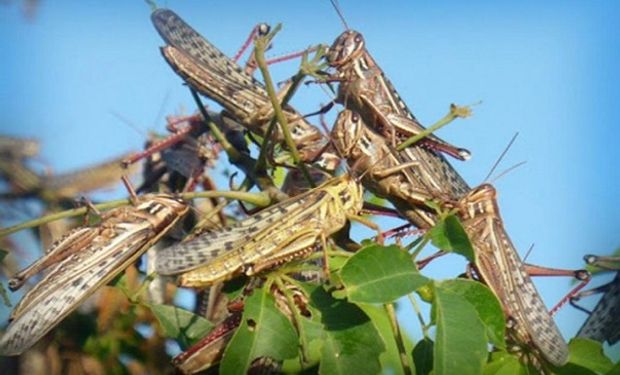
x=280, y=286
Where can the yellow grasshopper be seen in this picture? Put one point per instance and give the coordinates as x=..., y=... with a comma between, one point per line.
x=290, y=229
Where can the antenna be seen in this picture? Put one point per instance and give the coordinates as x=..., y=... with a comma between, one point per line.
x=339, y=12
x=508, y=170
x=129, y=123
x=514, y=137
x=529, y=251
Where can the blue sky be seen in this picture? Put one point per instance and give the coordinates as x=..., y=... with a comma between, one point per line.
x=548, y=71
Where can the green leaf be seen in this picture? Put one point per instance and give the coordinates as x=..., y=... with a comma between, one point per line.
x=423, y=356
x=503, y=363
x=390, y=358
x=352, y=344
x=313, y=332
x=264, y=332
x=573, y=369
x=434, y=205
x=448, y=234
x=180, y=324
x=279, y=174
x=615, y=370
x=335, y=265
x=589, y=354
x=486, y=304
x=380, y=274
x=376, y=200
x=460, y=344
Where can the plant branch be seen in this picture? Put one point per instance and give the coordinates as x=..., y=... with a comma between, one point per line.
x=258, y=199
x=398, y=337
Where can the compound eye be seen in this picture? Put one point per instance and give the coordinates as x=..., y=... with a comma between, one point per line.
x=590, y=258
x=358, y=39
x=263, y=29
x=355, y=117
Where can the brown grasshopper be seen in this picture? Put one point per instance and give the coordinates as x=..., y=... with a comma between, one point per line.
x=409, y=181
x=18, y=148
x=209, y=350
x=86, y=179
x=364, y=88
x=14, y=155
x=407, y=178
x=26, y=182
x=82, y=261
x=245, y=100
x=498, y=265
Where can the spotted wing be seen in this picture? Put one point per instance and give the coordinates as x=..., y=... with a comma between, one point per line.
x=190, y=255
x=604, y=322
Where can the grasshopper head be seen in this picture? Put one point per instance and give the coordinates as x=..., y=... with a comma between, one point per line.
x=348, y=46
x=346, y=132
x=161, y=210
x=479, y=201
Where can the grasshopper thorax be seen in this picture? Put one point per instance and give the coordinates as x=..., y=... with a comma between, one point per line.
x=347, y=47
x=348, y=190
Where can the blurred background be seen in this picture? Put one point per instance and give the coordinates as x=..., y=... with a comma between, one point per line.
x=87, y=79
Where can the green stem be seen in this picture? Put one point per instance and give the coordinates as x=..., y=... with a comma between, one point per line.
x=151, y=4
x=404, y=358
x=261, y=161
x=298, y=268
x=261, y=44
x=454, y=113
x=233, y=153
x=340, y=253
x=418, y=313
x=61, y=215
x=258, y=199
x=241, y=160
x=305, y=69
x=419, y=247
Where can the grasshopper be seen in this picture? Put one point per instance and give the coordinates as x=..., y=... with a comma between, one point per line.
x=18, y=148
x=498, y=265
x=209, y=350
x=86, y=179
x=364, y=88
x=407, y=178
x=290, y=229
x=213, y=74
x=14, y=154
x=26, y=182
x=21, y=179
x=603, y=324
x=82, y=261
